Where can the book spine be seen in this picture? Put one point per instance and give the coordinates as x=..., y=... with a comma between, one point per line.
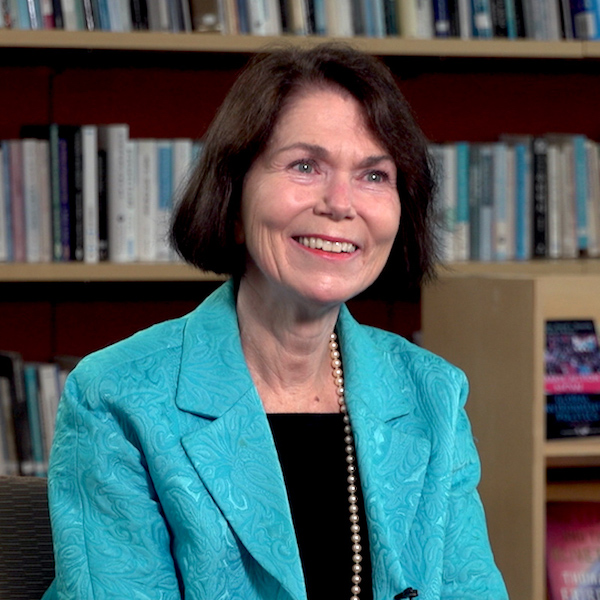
x=555, y=200
x=540, y=197
x=486, y=206
x=463, y=235
x=441, y=18
x=44, y=186
x=4, y=253
x=65, y=201
x=523, y=202
x=47, y=13
x=31, y=201
x=147, y=200
x=475, y=190
x=102, y=206
x=131, y=200
x=165, y=192
x=500, y=202
x=76, y=233
x=581, y=191
x=33, y=413
x=17, y=201
x=585, y=15
x=89, y=145
x=499, y=18
x=482, y=19
x=113, y=140
x=6, y=206
x=593, y=199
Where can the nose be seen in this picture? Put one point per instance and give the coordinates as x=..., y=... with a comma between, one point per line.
x=337, y=200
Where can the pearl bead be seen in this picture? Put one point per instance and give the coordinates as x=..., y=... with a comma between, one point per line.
x=338, y=377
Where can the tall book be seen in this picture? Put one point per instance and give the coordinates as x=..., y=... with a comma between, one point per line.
x=9, y=458
x=573, y=550
x=31, y=201
x=12, y=368
x=90, y=197
x=593, y=158
x=463, y=235
x=339, y=18
x=4, y=221
x=112, y=141
x=30, y=376
x=586, y=19
x=165, y=198
x=540, y=197
x=17, y=200
x=147, y=210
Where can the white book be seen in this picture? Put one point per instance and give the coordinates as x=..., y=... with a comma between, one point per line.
x=4, y=254
x=568, y=208
x=444, y=156
x=112, y=139
x=31, y=201
x=131, y=199
x=593, y=217
x=69, y=13
x=125, y=14
x=44, y=184
x=114, y=15
x=465, y=15
x=147, y=198
x=408, y=18
x=49, y=394
x=91, y=210
x=264, y=17
x=338, y=14
x=425, y=19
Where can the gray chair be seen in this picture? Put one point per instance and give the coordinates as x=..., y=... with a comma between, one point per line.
x=26, y=559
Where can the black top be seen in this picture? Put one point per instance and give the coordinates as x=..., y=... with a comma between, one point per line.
x=312, y=454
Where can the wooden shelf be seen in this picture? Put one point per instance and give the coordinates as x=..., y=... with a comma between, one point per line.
x=573, y=491
x=72, y=272
x=581, y=452
x=522, y=268
x=210, y=42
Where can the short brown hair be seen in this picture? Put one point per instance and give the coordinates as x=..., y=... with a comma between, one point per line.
x=203, y=228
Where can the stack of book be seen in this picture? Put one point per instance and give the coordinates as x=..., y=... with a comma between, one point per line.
x=510, y=19
x=29, y=395
x=519, y=198
x=89, y=193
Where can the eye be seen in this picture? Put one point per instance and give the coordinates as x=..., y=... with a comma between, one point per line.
x=303, y=166
x=377, y=176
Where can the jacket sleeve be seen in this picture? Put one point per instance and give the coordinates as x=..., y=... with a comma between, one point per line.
x=469, y=569
x=110, y=537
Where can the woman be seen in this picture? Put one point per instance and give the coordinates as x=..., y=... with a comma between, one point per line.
x=207, y=457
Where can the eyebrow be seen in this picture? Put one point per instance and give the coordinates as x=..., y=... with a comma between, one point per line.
x=323, y=153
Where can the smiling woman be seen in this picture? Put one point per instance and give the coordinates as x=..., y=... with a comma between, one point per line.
x=267, y=446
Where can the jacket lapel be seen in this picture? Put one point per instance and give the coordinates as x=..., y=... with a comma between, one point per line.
x=392, y=459
x=232, y=448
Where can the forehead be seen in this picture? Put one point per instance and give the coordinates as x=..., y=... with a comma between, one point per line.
x=323, y=111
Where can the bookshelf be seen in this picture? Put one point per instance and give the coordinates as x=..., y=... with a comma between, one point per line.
x=169, y=85
x=489, y=320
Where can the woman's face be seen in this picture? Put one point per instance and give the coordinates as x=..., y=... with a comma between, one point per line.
x=320, y=209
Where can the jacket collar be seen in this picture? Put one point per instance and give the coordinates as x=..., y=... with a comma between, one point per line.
x=235, y=455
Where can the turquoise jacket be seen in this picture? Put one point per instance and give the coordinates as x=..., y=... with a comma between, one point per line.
x=165, y=483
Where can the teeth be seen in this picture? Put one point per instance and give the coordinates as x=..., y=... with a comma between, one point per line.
x=326, y=245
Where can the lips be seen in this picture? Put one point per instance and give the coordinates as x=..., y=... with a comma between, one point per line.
x=317, y=243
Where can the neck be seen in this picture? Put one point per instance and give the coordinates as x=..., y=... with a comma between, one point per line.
x=286, y=348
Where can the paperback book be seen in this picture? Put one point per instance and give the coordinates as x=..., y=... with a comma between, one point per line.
x=572, y=379
x=573, y=550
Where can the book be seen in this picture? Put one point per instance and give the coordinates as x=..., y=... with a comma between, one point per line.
x=441, y=18
x=6, y=205
x=147, y=198
x=572, y=379
x=481, y=19
x=17, y=200
x=540, y=197
x=44, y=186
x=112, y=141
x=500, y=203
x=593, y=219
x=30, y=376
x=207, y=15
x=586, y=19
x=573, y=550
x=462, y=249
x=12, y=368
x=90, y=197
x=31, y=201
x=339, y=18
x=4, y=221
x=9, y=459
x=165, y=198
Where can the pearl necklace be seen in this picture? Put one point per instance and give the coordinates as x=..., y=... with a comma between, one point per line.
x=338, y=377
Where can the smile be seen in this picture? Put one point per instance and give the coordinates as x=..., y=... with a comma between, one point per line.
x=326, y=245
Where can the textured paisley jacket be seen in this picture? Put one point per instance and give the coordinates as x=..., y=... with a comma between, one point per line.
x=165, y=481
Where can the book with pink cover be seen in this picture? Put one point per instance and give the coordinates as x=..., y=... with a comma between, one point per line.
x=573, y=550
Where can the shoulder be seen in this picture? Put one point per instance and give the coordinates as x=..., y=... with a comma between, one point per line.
x=430, y=376
x=134, y=361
